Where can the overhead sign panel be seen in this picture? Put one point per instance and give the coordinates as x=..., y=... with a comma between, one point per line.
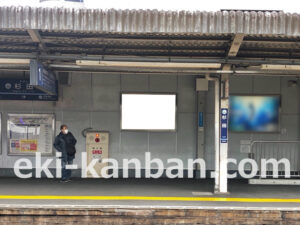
x=41, y=78
x=20, y=89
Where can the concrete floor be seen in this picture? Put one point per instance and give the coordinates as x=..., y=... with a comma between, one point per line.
x=144, y=187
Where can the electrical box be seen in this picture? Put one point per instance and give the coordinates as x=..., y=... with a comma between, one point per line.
x=201, y=84
x=97, y=148
x=245, y=146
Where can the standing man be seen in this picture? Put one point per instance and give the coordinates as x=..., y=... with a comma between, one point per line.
x=65, y=143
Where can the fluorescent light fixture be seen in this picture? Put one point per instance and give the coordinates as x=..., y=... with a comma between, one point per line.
x=148, y=64
x=14, y=61
x=279, y=67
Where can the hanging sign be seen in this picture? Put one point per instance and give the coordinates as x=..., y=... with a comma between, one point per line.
x=41, y=78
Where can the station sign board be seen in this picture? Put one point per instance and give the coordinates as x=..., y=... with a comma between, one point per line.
x=224, y=125
x=42, y=78
x=20, y=89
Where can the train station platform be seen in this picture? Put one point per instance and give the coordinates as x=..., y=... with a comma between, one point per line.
x=136, y=201
x=146, y=192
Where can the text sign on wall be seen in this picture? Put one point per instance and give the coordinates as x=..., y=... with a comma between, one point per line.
x=42, y=78
x=224, y=125
x=20, y=89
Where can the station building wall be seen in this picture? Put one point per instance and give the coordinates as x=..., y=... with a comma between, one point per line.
x=93, y=100
x=257, y=85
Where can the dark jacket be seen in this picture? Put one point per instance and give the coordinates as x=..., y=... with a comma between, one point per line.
x=64, y=141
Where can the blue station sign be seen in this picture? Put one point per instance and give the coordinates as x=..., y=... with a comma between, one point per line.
x=224, y=125
x=41, y=78
x=20, y=89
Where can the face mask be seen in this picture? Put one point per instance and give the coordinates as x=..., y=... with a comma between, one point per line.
x=66, y=131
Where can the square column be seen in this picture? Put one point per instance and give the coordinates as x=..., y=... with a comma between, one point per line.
x=221, y=148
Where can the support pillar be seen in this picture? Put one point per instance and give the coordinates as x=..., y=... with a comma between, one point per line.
x=217, y=135
x=224, y=116
x=221, y=133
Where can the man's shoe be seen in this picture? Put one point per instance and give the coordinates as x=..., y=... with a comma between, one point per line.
x=64, y=181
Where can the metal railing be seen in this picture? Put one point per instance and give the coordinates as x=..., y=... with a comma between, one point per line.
x=276, y=150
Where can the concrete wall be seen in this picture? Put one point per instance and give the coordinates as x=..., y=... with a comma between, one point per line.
x=93, y=100
x=289, y=116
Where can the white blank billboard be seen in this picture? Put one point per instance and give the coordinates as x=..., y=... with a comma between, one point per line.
x=148, y=112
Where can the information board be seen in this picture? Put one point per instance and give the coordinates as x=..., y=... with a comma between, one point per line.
x=30, y=133
x=20, y=89
x=41, y=78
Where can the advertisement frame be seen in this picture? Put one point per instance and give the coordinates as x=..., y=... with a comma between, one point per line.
x=258, y=132
x=9, y=153
x=151, y=130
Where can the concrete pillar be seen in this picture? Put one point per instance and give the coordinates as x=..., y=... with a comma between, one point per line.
x=221, y=131
x=217, y=135
x=224, y=113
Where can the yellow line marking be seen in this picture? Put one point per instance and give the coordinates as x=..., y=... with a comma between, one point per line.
x=147, y=198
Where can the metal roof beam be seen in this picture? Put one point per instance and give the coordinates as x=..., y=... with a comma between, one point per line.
x=73, y=57
x=235, y=45
x=36, y=37
x=226, y=67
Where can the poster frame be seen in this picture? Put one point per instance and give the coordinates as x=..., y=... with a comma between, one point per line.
x=9, y=153
x=151, y=130
x=277, y=131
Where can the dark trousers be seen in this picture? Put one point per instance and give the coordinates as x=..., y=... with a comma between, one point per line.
x=66, y=173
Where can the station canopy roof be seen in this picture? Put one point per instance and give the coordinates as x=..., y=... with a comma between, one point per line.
x=62, y=35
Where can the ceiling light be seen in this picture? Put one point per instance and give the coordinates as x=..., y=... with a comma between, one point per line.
x=14, y=61
x=279, y=67
x=147, y=64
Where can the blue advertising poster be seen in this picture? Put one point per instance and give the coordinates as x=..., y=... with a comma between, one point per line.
x=254, y=113
x=20, y=89
x=224, y=125
x=41, y=78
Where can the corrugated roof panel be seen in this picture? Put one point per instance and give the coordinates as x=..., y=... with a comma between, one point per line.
x=149, y=21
